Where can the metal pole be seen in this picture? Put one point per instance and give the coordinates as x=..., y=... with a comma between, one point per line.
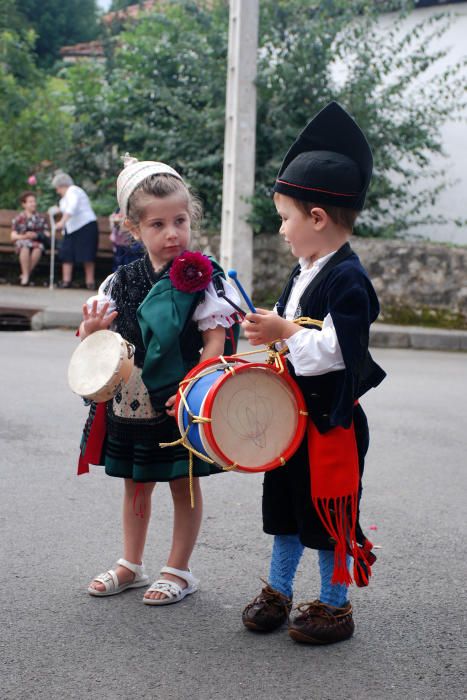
x=51, y=212
x=240, y=141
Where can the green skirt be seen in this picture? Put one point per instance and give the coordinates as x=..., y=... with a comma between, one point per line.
x=144, y=460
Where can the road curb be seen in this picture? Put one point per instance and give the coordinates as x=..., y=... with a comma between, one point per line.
x=49, y=319
x=386, y=336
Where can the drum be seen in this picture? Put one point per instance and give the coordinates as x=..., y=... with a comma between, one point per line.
x=244, y=416
x=100, y=365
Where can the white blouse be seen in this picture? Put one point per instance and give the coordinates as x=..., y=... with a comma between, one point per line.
x=211, y=312
x=76, y=204
x=312, y=352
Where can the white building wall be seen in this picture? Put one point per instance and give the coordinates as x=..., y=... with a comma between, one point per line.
x=453, y=202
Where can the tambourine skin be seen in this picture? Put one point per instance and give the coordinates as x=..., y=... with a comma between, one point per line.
x=99, y=366
x=255, y=417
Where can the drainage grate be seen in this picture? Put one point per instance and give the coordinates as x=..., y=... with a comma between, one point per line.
x=14, y=322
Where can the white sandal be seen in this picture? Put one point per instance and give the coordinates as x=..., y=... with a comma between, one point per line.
x=173, y=592
x=110, y=579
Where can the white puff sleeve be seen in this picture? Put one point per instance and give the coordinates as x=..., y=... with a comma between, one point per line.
x=103, y=297
x=215, y=311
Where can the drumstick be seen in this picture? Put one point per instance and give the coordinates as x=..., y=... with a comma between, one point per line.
x=233, y=275
x=221, y=293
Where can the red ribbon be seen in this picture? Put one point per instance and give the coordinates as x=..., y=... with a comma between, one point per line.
x=92, y=450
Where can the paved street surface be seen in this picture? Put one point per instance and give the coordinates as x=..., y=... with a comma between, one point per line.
x=59, y=530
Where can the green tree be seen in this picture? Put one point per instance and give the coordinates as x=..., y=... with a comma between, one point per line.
x=58, y=24
x=387, y=80
x=161, y=95
x=34, y=125
x=162, y=99
x=121, y=4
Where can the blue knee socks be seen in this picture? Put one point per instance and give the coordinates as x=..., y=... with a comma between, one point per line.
x=331, y=593
x=286, y=553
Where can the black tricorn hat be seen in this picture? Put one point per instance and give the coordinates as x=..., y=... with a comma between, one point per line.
x=329, y=163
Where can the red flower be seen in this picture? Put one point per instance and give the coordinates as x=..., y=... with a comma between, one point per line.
x=191, y=272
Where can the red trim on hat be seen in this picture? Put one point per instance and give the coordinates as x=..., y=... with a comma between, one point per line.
x=318, y=189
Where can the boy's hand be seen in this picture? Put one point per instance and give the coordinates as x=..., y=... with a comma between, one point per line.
x=265, y=327
x=169, y=404
x=94, y=320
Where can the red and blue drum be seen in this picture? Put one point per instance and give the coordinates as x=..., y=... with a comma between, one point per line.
x=246, y=416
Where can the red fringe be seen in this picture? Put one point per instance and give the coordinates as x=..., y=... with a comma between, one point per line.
x=339, y=517
x=334, y=478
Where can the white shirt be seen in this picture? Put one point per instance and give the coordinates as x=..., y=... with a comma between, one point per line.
x=312, y=352
x=75, y=202
x=211, y=312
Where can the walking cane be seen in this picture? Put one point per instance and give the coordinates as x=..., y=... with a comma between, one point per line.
x=51, y=212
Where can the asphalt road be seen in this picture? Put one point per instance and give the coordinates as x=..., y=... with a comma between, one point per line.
x=58, y=531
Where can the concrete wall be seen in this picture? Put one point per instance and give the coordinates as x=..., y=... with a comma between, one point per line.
x=408, y=276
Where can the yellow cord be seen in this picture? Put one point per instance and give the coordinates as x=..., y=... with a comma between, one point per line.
x=274, y=357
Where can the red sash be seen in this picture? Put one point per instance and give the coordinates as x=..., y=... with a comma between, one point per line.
x=91, y=452
x=335, y=478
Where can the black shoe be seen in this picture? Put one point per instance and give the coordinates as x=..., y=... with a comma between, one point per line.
x=64, y=285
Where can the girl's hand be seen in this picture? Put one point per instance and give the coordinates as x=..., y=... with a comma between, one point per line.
x=170, y=405
x=94, y=320
x=265, y=327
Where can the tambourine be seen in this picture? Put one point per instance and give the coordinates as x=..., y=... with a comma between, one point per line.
x=100, y=365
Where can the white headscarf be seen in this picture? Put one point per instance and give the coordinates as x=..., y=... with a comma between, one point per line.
x=133, y=173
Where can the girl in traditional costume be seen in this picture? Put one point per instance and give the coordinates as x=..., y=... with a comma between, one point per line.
x=167, y=306
x=323, y=319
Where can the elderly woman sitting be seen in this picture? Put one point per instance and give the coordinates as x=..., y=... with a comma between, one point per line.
x=29, y=231
x=80, y=232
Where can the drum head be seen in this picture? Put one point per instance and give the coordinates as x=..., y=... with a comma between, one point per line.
x=94, y=362
x=257, y=418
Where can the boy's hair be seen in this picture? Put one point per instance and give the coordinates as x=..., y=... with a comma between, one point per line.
x=24, y=195
x=164, y=185
x=340, y=215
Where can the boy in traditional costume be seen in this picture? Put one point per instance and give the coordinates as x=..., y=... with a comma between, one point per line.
x=322, y=320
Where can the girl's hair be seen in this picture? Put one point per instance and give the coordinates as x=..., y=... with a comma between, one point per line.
x=340, y=215
x=164, y=185
x=24, y=195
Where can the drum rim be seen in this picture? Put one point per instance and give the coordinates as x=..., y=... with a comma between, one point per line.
x=192, y=375
x=180, y=408
x=206, y=428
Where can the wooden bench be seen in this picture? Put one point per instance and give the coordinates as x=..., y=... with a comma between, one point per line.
x=9, y=266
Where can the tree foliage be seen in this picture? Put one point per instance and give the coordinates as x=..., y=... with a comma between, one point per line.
x=160, y=94
x=57, y=23
x=121, y=4
x=34, y=124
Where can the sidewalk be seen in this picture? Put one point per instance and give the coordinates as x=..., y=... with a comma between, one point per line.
x=61, y=308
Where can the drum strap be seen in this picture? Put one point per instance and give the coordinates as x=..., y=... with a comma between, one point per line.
x=334, y=477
